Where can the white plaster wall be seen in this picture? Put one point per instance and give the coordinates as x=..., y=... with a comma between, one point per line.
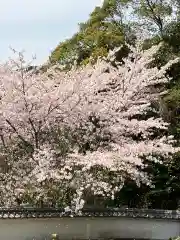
x=88, y=228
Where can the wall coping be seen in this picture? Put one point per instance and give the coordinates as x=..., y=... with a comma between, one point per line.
x=23, y=213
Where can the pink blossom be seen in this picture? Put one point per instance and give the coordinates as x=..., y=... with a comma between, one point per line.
x=119, y=97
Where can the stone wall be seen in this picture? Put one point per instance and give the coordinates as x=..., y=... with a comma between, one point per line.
x=31, y=224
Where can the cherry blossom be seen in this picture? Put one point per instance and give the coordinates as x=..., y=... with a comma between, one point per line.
x=99, y=101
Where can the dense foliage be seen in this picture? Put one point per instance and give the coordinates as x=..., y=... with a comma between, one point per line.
x=105, y=108
x=106, y=130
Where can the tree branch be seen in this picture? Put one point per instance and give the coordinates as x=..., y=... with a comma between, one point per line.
x=15, y=130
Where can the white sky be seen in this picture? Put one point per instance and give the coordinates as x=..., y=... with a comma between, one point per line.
x=37, y=26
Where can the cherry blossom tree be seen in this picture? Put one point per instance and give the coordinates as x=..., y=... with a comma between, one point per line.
x=31, y=103
x=109, y=108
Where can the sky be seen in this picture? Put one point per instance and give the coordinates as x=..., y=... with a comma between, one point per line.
x=37, y=26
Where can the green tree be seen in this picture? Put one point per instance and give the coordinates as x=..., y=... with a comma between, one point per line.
x=154, y=14
x=100, y=33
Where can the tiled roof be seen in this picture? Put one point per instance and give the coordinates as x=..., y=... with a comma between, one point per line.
x=14, y=213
